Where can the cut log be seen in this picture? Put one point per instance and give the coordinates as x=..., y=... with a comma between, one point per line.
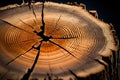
x=71, y=42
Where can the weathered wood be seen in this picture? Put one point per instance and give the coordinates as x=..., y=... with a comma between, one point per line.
x=69, y=42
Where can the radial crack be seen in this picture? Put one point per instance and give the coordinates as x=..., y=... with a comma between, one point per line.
x=101, y=62
x=77, y=77
x=63, y=49
x=31, y=7
x=42, y=15
x=33, y=11
x=26, y=24
x=30, y=70
x=20, y=55
x=42, y=27
x=73, y=74
x=55, y=26
x=29, y=4
x=15, y=26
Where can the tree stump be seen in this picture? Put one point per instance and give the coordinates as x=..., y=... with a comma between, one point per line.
x=52, y=41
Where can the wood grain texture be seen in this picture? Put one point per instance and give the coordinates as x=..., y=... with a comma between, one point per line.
x=78, y=45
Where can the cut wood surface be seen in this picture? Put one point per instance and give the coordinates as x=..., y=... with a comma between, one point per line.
x=56, y=42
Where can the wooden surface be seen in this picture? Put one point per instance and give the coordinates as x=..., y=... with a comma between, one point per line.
x=72, y=45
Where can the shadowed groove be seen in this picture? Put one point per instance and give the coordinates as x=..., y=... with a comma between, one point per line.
x=32, y=7
x=20, y=55
x=41, y=34
x=55, y=27
x=30, y=70
x=27, y=24
x=64, y=49
x=15, y=26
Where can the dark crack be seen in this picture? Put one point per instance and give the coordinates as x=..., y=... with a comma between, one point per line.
x=20, y=55
x=14, y=26
x=30, y=70
x=63, y=49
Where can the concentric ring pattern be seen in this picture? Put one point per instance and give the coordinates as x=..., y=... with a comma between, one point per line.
x=77, y=39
